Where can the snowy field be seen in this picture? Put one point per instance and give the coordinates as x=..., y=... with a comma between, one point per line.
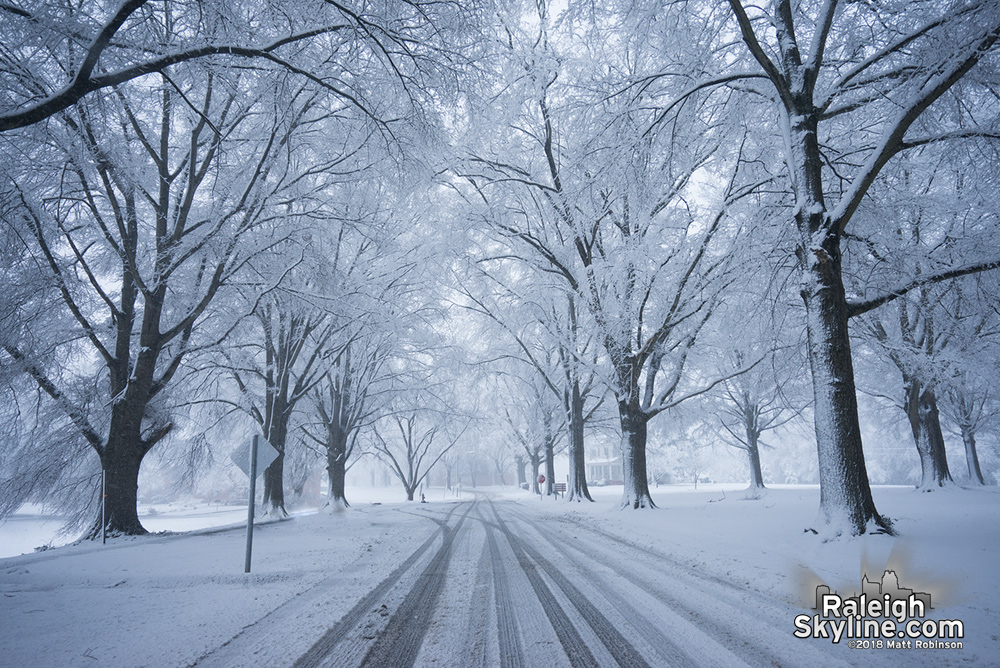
x=171, y=599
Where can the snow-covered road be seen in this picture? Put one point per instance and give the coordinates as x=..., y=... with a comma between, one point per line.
x=493, y=586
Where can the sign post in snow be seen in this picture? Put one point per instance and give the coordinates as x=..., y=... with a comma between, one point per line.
x=253, y=458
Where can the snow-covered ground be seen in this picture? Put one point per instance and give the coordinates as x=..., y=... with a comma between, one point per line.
x=171, y=599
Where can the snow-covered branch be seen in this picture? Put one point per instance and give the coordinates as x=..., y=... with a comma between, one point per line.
x=857, y=307
x=893, y=138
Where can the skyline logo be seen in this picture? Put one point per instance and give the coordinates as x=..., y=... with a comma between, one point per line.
x=883, y=615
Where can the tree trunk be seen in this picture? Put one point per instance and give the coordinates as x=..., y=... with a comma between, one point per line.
x=846, y=502
x=577, y=486
x=121, y=460
x=336, y=468
x=536, y=462
x=925, y=423
x=274, y=475
x=753, y=454
x=634, y=425
x=550, y=466
x=274, y=490
x=519, y=464
x=122, y=456
x=971, y=457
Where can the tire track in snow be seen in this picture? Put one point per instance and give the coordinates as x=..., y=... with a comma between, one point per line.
x=400, y=641
x=669, y=650
x=741, y=593
x=257, y=638
x=511, y=652
x=705, y=606
x=743, y=644
x=576, y=649
x=477, y=625
x=336, y=633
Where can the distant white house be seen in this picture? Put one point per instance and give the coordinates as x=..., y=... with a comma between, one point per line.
x=604, y=465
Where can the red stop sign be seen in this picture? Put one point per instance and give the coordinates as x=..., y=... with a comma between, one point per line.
x=541, y=479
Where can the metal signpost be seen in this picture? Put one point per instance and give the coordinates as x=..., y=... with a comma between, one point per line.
x=104, y=507
x=253, y=458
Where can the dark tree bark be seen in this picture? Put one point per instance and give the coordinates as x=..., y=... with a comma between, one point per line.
x=971, y=456
x=925, y=423
x=753, y=457
x=276, y=433
x=966, y=410
x=121, y=460
x=343, y=406
x=646, y=326
x=125, y=448
x=410, y=458
x=573, y=402
x=634, y=424
x=274, y=487
x=550, y=465
x=84, y=76
x=153, y=312
x=753, y=406
x=293, y=343
x=535, y=461
x=919, y=340
x=845, y=492
x=519, y=463
x=577, y=487
x=336, y=466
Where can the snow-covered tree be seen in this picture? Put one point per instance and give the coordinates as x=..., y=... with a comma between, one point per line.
x=413, y=448
x=753, y=403
x=541, y=324
x=579, y=190
x=138, y=251
x=142, y=203
x=850, y=86
x=57, y=54
x=967, y=402
x=935, y=329
x=534, y=420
